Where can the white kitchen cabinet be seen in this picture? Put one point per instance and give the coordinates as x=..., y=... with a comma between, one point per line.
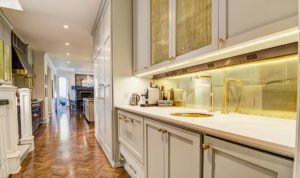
x=241, y=21
x=189, y=32
x=96, y=96
x=134, y=167
x=195, y=28
x=108, y=95
x=224, y=159
x=170, y=151
x=141, y=34
x=88, y=109
x=131, y=133
x=114, y=69
x=170, y=30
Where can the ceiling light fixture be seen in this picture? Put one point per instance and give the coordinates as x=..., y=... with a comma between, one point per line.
x=68, y=62
x=66, y=27
x=11, y=4
x=68, y=54
x=67, y=43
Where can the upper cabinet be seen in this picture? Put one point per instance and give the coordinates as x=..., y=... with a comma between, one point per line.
x=168, y=30
x=160, y=31
x=141, y=37
x=175, y=30
x=242, y=21
x=196, y=28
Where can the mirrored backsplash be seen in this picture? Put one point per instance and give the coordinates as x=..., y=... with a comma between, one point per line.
x=267, y=88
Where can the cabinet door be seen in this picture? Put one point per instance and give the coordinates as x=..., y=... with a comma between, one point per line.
x=242, y=21
x=155, y=145
x=108, y=95
x=160, y=27
x=196, y=27
x=131, y=133
x=227, y=160
x=106, y=21
x=101, y=107
x=95, y=64
x=141, y=34
x=184, y=153
x=2, y=61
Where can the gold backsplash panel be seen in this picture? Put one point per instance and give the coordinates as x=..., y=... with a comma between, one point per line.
x=266, y=88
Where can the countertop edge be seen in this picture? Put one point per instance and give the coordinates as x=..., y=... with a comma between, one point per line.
x=243, y=140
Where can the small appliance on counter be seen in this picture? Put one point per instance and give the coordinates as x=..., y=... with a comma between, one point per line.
x=134, y=99
x=151, y=97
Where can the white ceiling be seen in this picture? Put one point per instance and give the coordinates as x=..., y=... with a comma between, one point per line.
x=41, y=26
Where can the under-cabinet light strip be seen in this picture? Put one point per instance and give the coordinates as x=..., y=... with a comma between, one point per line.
x=270, y=38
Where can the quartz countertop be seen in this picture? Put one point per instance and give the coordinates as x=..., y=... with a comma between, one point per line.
x=266, y=133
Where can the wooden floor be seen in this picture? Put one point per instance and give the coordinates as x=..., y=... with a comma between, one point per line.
x=66, y=147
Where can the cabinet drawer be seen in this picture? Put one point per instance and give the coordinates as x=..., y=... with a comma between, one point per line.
x=132, y=165
x=224, y=159
x=131, y=133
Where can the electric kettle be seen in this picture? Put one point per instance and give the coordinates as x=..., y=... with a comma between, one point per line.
x=134, y=99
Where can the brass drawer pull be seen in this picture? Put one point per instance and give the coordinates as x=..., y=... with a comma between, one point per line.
x=205, y=146
x=172, y=58
x=221, y=41
x=162, y=130
x=126, y=120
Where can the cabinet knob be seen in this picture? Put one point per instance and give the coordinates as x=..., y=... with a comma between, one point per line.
x=172, y=58
x=205, y=146
x=221, y=41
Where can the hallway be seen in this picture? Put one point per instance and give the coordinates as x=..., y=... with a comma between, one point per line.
x=66, y=147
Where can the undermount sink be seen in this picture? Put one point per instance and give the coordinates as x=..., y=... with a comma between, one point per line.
x=191, y=114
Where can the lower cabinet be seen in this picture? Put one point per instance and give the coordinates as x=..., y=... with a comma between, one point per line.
x=224, y=159
x=152, y=149
x=170, y=151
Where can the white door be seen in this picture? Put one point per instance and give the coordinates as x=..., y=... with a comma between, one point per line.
x=141, y=34
x=101, y=92
x=107, y=79
x=108, y=95
x=96, y=96
x=227, y=160
x=184, y=153
x=155, y=145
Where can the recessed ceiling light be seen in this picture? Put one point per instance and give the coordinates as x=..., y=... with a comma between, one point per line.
x=66, y=27
x=67, y=43
x=68, y=54
x=68, y=62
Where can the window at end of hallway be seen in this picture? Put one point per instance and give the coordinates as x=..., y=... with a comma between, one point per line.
x=63, y=87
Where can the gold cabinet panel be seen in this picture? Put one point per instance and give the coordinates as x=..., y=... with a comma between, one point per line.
x=2, y=63
x=193, y=25
x=159, y=31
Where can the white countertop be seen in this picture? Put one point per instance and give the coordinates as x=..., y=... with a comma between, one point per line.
x=266, y=133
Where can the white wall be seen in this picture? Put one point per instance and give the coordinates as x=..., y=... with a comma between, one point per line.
x=41, y=61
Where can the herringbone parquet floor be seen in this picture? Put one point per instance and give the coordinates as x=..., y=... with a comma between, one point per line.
x=66, y=147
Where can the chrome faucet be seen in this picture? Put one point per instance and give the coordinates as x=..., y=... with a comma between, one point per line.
x=226, y=82
x=209, y=78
